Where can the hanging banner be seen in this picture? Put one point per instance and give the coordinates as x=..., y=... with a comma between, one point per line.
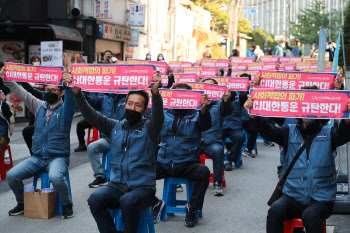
x=257, y=66
x=161, y=66
x=180, y=78
x=322, y=50
x=304, y=65
x=179, y=99
x=234, y=84
x=34, y=74
x=201, y=71
x=300, y=103
x=239, y=66
x=296, y=80
x=219, y=63
x=137, y=15
x=179, y=64
x=214, y=92
x=336, y=53
x=269, y=58
x=245, y=60
x=112, y=78
x=290, y=59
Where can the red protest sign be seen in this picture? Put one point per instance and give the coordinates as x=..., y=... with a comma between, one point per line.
x=214, y=92
x=112, y=78
x=234, y=84
x=179, y=99
x=326, y=69
x=237, y=73
x=201, y=71
x=290, y=59
x=262, y=66
x=304, y=65
x=286, y=67
x=238, y=66
x=34, y=74
x=269, y=58
x=296, y=80
x=220, y=63
x=180, y=78
x=160, y=65
x=179, y=64
x=245, y=60
x=300, y=103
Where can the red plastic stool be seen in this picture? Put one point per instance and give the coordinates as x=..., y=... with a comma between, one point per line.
x=3, y=166
x=94, y=136
x=202, y=158
x=290, y=224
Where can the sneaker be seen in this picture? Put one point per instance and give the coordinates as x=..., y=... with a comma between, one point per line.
x=80, y=148
x=191, y=214
x=157, y=210
x=217, y=189
x=18, y=210
x=268, y=143
x=67, y=211
x=247, y=153
x=228, y=166
x=179, y=188
x=98, y=182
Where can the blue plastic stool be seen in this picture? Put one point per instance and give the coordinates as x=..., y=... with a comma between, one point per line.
x=145, y=224
x=106, y=164
x=169, y=197
x=45, y=183
x=239, y=162
x=246, y=136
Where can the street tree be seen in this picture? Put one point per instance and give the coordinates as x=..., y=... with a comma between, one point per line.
x=220, y=17
x=309, y=21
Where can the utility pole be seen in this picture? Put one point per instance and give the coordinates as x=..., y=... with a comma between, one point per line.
x=233, y=21
x=289, y=2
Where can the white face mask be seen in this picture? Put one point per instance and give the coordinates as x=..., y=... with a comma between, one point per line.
x=149, y=57
x=36, y=63
x=160, y=58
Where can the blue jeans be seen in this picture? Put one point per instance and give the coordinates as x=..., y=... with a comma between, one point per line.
x=94, y=149
x=216, y=152
x=236, y=136
x=55, y=167
x=110, y=197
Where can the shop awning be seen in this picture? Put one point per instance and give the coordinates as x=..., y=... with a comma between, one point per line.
x=66, y=33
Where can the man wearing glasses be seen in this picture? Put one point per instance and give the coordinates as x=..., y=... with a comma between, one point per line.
x=51, y=143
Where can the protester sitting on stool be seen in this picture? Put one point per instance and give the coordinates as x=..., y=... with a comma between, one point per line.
x=6, y=119
x=134, y=144
x=310, y=190
x=113, y=107
x=51, y=143
x=211, y=144
x=178, y=155
x=232, y=128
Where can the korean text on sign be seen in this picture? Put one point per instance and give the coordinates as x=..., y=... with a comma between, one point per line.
x=34, y=74
x=300, y=103
x=179, y=99
x=296, y=80
x=214, y=92
x=234, y=84
x=161, y=66
x=112, y=77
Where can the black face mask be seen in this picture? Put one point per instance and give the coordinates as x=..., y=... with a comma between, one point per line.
x=132, y=116
x=50, y=97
